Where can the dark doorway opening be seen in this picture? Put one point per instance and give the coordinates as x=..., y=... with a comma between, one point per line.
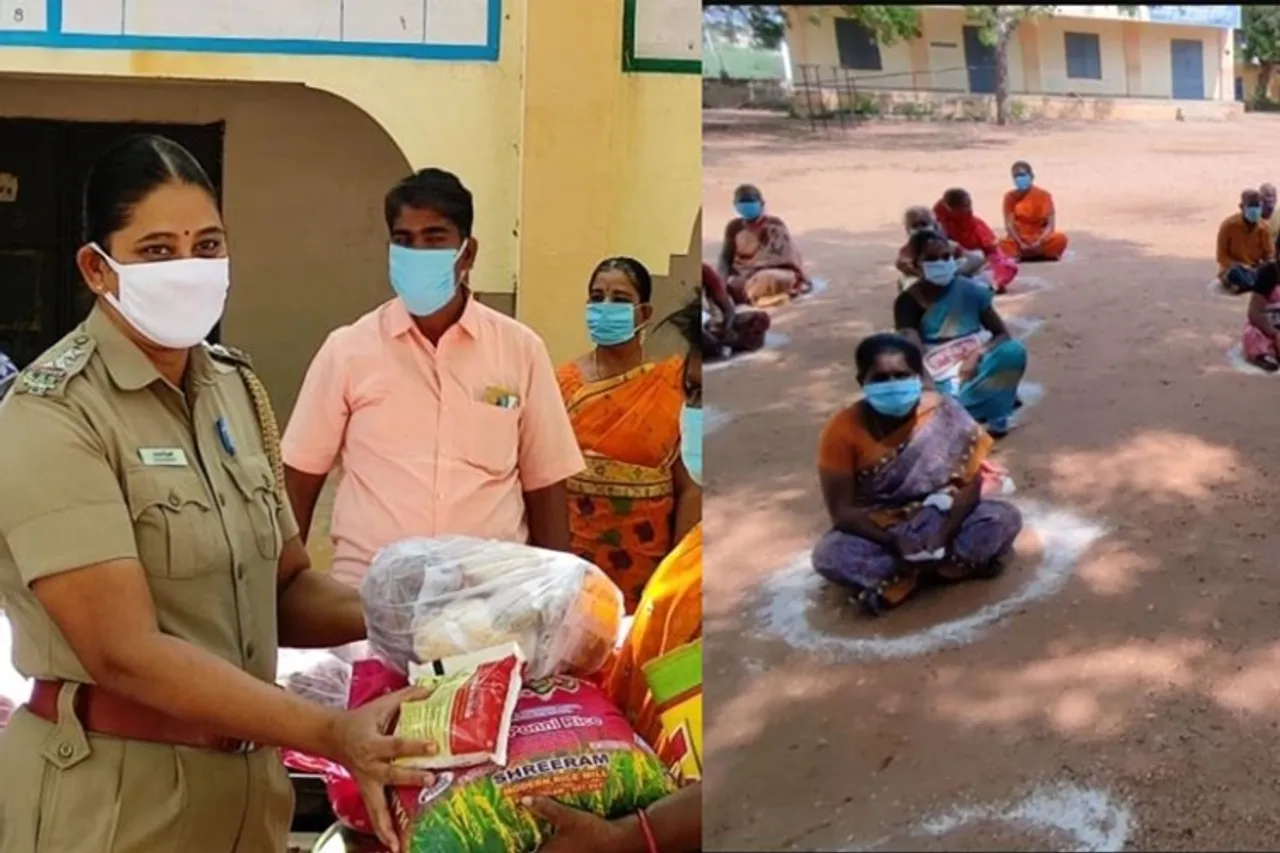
x=43, y=165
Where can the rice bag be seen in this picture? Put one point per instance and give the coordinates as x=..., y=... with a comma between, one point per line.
x=675, y=681
x=431, y=599
x=468, y=714
x=569, y=743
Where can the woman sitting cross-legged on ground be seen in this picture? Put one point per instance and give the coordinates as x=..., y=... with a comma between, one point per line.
x=901, y=475
x=954, y=213
x=759, y=261
x=970, y=352
x=1031, y=220
x=1262, y=331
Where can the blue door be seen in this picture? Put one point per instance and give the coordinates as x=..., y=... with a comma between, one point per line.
x=980, y=59
x=1188, y=69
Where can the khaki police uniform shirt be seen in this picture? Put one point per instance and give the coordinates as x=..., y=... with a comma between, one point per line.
x=105, y=460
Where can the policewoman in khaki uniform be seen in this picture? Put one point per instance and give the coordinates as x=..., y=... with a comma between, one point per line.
x=149, y=564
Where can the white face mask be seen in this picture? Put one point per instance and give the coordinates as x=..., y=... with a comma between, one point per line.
x=173, y=304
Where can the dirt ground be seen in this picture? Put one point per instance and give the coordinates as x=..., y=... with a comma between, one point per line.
x=1119, y=687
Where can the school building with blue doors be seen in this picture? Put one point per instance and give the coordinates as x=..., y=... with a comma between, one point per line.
x=1083, y=61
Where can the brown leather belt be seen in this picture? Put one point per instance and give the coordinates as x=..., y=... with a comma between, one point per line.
x=104, y=713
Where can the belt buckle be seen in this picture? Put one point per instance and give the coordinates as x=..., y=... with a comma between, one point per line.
x=243, y=747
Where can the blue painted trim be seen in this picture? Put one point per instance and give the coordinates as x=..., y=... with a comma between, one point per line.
x=54, y=37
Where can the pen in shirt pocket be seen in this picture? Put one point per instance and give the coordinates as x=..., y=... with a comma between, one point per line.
x=503, y=398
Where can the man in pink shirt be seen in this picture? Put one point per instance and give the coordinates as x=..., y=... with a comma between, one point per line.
x=444, y=415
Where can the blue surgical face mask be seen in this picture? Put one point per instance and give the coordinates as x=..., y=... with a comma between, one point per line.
x=424, y=279
x=895, y=398
x=1253, y=213
x=691, y=441
x=611, y=323
x=1022, y=181
x=939, y=272
x=749, y=210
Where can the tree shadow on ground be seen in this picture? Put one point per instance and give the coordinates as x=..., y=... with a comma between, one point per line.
x=740, y=134
x=1153, y=673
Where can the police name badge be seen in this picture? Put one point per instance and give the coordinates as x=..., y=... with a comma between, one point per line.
x=163, y=457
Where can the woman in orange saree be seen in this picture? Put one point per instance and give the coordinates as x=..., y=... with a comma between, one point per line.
x=1031, y=220
x=635, y=498
x=662, y=652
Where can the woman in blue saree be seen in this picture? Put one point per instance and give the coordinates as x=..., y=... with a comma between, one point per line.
x=968, y=351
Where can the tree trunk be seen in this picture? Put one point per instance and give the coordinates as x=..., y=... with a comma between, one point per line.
x=1263, y=94
x=1002, y=77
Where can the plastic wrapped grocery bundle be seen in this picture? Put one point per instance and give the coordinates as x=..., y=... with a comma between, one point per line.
x=430, y=599
x=316, y=674
x=14, y=689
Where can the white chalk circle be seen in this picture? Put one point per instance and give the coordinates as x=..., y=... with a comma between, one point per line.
x=787, y=595
x=1023, y=327
x=1088, y=819
x=713, y=419
x=1215, y=288
x=1026, y=285
x=1031, y=394
x=772, y=341
x=818, y=287
x=1235, y=357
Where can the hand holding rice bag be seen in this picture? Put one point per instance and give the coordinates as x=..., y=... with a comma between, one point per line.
x=468, y=714
x=432, y=599
x=568, y=743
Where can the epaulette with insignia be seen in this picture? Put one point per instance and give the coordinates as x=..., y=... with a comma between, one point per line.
x=50, y=376
x=230, y=355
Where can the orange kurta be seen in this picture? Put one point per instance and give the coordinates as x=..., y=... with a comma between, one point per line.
x=669, y=616
x=1030, y=212
x=622, y=506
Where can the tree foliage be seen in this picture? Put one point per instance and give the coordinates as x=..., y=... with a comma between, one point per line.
x=994, y=22
x=1260, y=33
x=1260, y=43
x=766, y=26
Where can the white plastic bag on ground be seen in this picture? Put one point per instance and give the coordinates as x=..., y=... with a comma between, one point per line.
x=430, y=599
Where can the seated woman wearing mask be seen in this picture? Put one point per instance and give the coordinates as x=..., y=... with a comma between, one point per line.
x=758, y=260
x=1262, y=329
x=954, y=212
x=150, y=564
x=635, y=498
x=1030, y=220
x=667, y=628
x=970, y=353
x=919, y=218
x=900, y=472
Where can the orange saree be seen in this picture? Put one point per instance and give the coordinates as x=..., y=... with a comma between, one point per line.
x=670, y=616
x=1029, y=213
x=621, y=507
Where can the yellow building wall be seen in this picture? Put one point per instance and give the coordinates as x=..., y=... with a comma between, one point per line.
x=1051, y=39
x=570, y=159
x=612, y=165
x=934, y=62
x=1135, y=55
x=811, y=39
x=304, y=173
